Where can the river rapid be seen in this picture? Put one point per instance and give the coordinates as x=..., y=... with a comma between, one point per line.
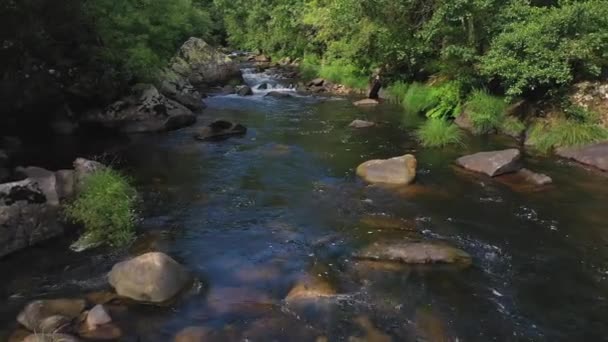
x=251, y=215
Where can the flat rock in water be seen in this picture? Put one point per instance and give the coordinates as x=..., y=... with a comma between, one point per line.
x=396, y=171
x=492, y=163
x=525, y=180
x=50, y=338
x=151, y=277
x=415, y=253
x=366, y=102
x=361, y=124
x=595, y=155
x=41, y=315
x=535, y=178
x=220, y=129
x=310, y=288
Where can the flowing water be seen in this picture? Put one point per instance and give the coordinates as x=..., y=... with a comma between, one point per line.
x=250, y=216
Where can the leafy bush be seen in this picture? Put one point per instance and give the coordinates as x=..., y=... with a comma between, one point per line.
x=581, y=114
x=448, y=101
x=439, y=132
x=486, y=112
x=512, y=126
x=345, y=73
x=564, y=133
x=419, y=98
x=105, y=207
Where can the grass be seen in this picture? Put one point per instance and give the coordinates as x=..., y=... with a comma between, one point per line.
x=561, y=132
x=438, y=133
x=512, y=126
x=106, y=209
x=338, y=71
x=486, y=112
x=397, y=91
x=419, y=98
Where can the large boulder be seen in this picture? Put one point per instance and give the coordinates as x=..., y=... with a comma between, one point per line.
x=414, y=253
x=493, y=163
x=219, y=130
x=26, y=217
x=244, y=91
x=595, y=155
x=82, y=169
x=396, y=171
x=145, y=110
x=47, y=315
x=178, y=88
x=151, y=277
x=46, y=180
x=203, y=65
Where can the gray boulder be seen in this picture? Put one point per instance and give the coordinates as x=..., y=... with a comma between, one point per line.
x=278, y=95
x=493, y=163
x=47, y=315
x=82, y=169
x=179, y=89
x=203, y=65
x=146, y=110
x=26, y=218
x=46, y=180
x=396, y=171
x=219, y=130
x=244, y=91
x=151, y=277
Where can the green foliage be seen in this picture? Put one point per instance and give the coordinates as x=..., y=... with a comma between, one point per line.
x=448, y=101
x=419, y=98
x=512, y=126
x=486, y=112
x=141, y=35
x=545, y=136
x=397, y=91
x=438, y=133
x=342, y=72
x=547, y=46
x=105, y=207
x=581, y=114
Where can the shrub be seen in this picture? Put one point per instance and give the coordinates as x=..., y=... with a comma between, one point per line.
x=512, y=126
x=344, y=73
x=105, y=207
x=447, y=101
x=438, y=132
x=419, y=98
x=486, y=112
x=581, y=114
x=564, y=133
x=397, y=91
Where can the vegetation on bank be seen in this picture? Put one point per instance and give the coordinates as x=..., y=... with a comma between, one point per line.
x=106, y=209
x=436, y=132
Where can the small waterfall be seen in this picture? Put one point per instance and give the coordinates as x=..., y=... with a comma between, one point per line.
x=262, y=83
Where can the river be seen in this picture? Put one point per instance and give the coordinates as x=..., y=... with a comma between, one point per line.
x=250, y=215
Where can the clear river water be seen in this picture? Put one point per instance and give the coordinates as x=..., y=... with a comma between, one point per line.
x=251, y=215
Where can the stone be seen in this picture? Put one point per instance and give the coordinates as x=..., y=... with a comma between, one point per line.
x=317, y=82
x=45, y=179
x=394, y=171
x=371, y=333
x=203, y=65
x=414, y=253
x=361, y=124
x=239, y=300
x=145, y=110
x=366, y=102
x=463, y=121
x=48, y=313
x=220, y=129
x=82, y=169
x=97, y=316
x=493, y=163
x=193, y=334
x=151, y=277
x=54, y=324
x=262, y=58
x=595, y=155
x=245, y=91
x=103, y=332
x=310, y=288
x=179, y=89
x=535, y=178
x=25, y=216
x=50, y=338
x=592, y=96
x=278, y=95
x=65, y=184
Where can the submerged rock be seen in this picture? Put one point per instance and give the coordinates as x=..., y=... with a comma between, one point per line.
x=317, y=82
x=396, y=171
x=103, y=332
x=220, y=129
x=535, y=178
x=47, y=315
x=309, y=288
x=151, y=277
x=414, y=253
x=279, y=94
x=54, y=337
x=193, y=334
x=366, y=102
x=595, y=155
x=245, y=91
x=97, y=316
x=361, y=124
x=493, y=163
